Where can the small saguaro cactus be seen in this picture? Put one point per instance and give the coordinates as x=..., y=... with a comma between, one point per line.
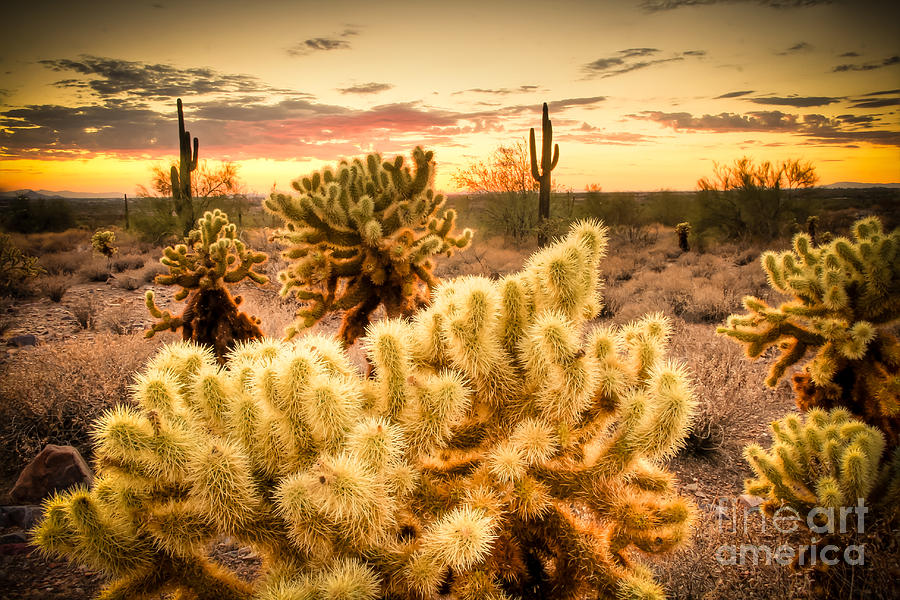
x=499, y=451
x=828, y=460
x=361, y=236
x=542, y=175
x=846, y=296
x=683, y=230
x=181, y=175
x=103, y=242
x=212, y=258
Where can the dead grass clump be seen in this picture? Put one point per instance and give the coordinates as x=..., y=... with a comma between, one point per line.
x=85, y=310
x=117, y=319
x=53, y=393
x=55, y=286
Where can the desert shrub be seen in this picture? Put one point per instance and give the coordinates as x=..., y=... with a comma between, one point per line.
x=495, y=452
x=40, y=244
x=127, y=262
x=85, y=310
x=17, y=269
x=55, y=286
x=150, y=270
x=26, y=215
x=752, y=201
x=53, y=393
x=94, y=270
x=64, y=263
x=363, y=236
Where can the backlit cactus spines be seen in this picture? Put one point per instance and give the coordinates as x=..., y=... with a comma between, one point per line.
x=212, y=258
x=364, y=235
x=827, y=459
x=846, y=296
x=466, y=464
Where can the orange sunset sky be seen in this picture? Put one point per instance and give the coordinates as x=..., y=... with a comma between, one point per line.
x=643, y=94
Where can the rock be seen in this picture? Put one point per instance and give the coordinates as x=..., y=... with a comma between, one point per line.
x=21, y=341
x=21, y=517
x=55, y=468
x=692, y=487
x=750, y=501
x=16, y=537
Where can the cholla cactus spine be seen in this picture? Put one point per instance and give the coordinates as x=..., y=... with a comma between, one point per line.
x=363, y=235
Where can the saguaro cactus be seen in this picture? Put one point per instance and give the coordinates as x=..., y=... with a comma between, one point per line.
x=542, y=175
x=362, y=236
x=496, y=453
x=181, y=175
x=846, y=297
x=212, y=258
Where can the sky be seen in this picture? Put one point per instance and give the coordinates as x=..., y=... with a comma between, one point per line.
x=643, y=94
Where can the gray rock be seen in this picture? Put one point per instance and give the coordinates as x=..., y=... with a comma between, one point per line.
x=21, y=341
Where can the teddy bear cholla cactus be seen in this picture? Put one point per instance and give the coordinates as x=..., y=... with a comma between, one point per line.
x=362, y=236
x=828, y=460
x=212, y=258
x=495, y=453
x=846, y=298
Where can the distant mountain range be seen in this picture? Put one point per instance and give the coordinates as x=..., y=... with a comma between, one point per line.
x=854, y=185
x=50, y=194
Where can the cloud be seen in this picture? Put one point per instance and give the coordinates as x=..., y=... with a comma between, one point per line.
x=869, y=66
x=879, y=103
x=242, y=127
x=734, y=94
x=588, y=134
x=883, y=93
x=796, y=48
x=795, y=101
x=366, y=88
x=849, y=55
x=661, y=5
x=625, y=61
x=863, y=120
x=815, y=127
x=317, y=44
x=563, y=104
x=522, y=89
x=109, y=77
